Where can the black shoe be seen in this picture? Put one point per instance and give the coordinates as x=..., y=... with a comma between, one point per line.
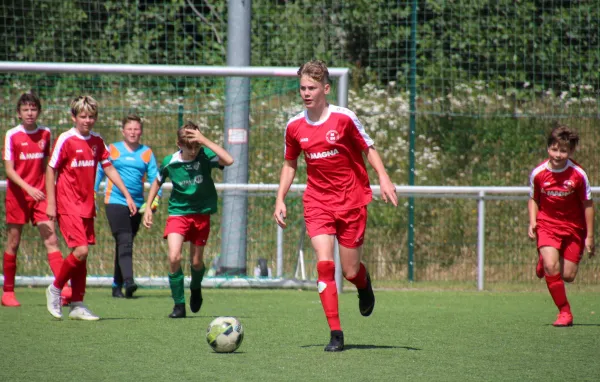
x=336, y=343
x=195, y=300
x=117, y=292
x=366, y=298
x=178, y=311
x=130, y=287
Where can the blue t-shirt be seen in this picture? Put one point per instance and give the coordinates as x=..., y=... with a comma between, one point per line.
x=134, y=167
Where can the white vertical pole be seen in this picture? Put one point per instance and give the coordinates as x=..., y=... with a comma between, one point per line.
x=279, y=252
x=480, y=239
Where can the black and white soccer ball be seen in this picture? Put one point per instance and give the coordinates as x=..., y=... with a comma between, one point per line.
x=225, y=334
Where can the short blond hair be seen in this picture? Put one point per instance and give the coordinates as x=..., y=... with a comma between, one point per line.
x=84, y=104
x=316, y=70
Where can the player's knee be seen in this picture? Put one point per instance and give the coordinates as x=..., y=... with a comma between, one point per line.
x=81, y=253
x=569, y=277
x=125, y=243
x=51, y=243
x=12, y=246
x=175, y=258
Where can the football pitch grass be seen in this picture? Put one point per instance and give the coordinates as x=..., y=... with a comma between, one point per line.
x=411, y=336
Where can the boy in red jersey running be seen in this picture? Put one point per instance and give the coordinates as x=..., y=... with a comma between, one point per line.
x=337, y=192
x=561, y=216
x=26, y=151
x=70, y=180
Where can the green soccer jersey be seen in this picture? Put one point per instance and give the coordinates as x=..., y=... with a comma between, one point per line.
x=193, y=191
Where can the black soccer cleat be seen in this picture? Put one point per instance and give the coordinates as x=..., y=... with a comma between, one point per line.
x=117, y=292
x=195, y=300
x=366, y=298
x=178, y=311
x=336, y=343
x=130, y=288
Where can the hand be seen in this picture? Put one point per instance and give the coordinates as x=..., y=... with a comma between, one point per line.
x=532, y=232
x=36, y=194
x=590, y=246
x=51, y=212
x=131, y=205
x=147, y=220
x=280, y=213
x=388, y=190
x=153, y=206
x=195, y=136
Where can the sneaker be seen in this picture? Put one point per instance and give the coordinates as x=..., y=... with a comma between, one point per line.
x=563, y=319
x=117, y=292
x=366, y=298
x=178, y=311
x=336, y=343
x=65, y=295
x=81, y=312
x=53, y=303
x=130, y=287
x=9, y=299
x=539, y=268
x=195, y=300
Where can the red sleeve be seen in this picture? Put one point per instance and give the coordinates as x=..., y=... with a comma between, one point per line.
x=103, y=155
x=292, y=146
x=59, y=154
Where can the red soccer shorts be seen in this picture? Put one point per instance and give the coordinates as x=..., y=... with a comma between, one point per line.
x=23, y=211
x=77, y=231
x=194, y=228
x=570, y=244
x=348, y=225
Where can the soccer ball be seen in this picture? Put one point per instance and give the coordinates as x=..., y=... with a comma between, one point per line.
x=225, y=334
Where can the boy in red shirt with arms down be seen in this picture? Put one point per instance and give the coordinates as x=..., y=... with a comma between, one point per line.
x=70, y=178
x=337, y=191
x=561, y=217
x=26, y=151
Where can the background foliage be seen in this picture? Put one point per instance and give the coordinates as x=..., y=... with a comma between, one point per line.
x=492, y=78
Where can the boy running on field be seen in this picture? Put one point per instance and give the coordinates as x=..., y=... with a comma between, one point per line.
x=70, y=188
x=26, y=151
x=193, y=199
x=561, y=217
x=337, y=191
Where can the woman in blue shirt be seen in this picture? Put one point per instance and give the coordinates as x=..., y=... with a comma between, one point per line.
x=135, y=163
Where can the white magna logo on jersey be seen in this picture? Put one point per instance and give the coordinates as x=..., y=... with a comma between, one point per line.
x=82, y=163
x=303, y=140
x=324, y=154
x=27, y=156
x=197, y=180
x=332, y=136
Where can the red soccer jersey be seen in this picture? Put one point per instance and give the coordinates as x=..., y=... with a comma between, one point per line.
x=560, y=195
x=27, y=150
x=337, y=176
x=75, y=158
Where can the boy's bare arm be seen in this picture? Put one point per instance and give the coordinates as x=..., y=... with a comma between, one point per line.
x=590, y=244
x=112, y=174
x=51, y=192
x=288, y=172
x=388, y=190
x=225, y=159
x=533, y=208
x=147, y=220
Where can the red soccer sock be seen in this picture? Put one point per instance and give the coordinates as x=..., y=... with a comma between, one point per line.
x=328, y=293
x=67, y=270
x=556, y=286
x=10, y=269
x=78, y=282
x=55, y=261
x=360, y=279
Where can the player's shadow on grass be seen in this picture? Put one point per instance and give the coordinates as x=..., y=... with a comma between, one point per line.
x=366, y=347
x=566, y=327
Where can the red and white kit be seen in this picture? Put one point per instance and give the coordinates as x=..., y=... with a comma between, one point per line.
x=75, y=158
x=337, y=176
x=27, y=150
x=560, y=195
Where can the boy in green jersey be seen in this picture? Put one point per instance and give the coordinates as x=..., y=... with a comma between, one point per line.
x=192, y=201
